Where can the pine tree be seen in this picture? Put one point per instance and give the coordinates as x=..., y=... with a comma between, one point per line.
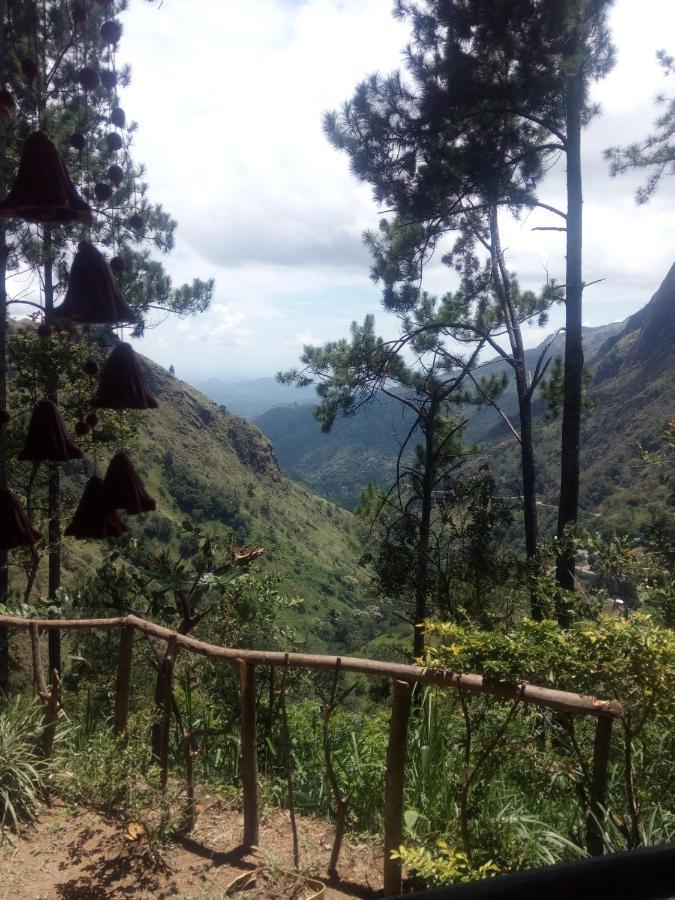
x=349, y=374
x=497, y=89
x=60, y=63
x=656, y=152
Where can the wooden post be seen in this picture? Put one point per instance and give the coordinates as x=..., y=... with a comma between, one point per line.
x=48, y=698
x=167, y=672
x=249, y=754
x=395, y=780
x=123, y=682
x=598, y=796
x=38, y=673
x=190, y=805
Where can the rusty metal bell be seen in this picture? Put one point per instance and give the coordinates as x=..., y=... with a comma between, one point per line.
x=124, y=488
x=47, y=437
x=94, y=519
x=122, y=384
x=93, y=296
x=43, y=190
x=15, y=527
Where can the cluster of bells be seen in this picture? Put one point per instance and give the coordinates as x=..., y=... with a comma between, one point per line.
x=43, y=192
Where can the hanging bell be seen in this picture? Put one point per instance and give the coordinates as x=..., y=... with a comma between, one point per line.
x=42, y=190
x=111, y=32
x=29, y=69
x=15, y=527
x=114, y=141
x=93, y=296
x=108, y=78
x=103, y=191
x=89, y=79
x=7, y=104
x=122, y=383
x=93, y=518
x=47, y=437
x=124, y=488
x=118, y=117
x=116, y=174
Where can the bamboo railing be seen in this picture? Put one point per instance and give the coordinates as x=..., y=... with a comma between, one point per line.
x=403, y=677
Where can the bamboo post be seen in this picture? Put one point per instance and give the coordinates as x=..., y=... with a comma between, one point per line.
x=51, y=714
x=48, y=698
x=249, y=754
x=190, y=805
x=167, y=672
x=38, y=672
x=395, y=780
x=598, y=795
x=123, y=683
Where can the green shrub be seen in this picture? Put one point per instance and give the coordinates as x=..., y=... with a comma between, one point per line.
x=22, y=771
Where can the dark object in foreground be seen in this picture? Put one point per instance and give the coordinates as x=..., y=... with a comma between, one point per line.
x=123, y=383
x=43, y=190
x=94, y=519
x=15, y=527
x=124, y=488
x=93, y=296
x=644, y=874
x=47, y=437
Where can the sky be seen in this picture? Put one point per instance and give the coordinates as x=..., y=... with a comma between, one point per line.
x=229, y=97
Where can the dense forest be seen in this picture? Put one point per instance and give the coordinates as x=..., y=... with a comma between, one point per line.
x=480, y=533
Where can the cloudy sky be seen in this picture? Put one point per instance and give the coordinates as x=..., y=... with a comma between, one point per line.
x=229, y=96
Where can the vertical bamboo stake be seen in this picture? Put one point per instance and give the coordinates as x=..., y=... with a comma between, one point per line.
x=249, y=753
x=51, y=714
x=190, y=806
x=123, y=682
x=598, y=797
x=393, y=798
x=38, y=673
x=167, y=667
x=48, y=699
x=287, y=767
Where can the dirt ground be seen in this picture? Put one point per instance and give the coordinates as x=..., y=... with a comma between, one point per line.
x=82, y=854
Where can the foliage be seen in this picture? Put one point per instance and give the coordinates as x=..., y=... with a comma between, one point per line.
x=23, y=773
x=655, y=153
x=551, y=389
x=442, y=866
x=631, y=660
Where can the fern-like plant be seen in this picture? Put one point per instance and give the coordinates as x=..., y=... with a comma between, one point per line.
x=22, y=770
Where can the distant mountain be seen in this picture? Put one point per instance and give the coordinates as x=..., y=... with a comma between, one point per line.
x=251, y=397
x=633, y=389
x=364, y=447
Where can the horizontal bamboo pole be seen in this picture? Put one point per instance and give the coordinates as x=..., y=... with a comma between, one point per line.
x=562, y=701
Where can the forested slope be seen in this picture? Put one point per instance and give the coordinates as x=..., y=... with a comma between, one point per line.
x=199, y=461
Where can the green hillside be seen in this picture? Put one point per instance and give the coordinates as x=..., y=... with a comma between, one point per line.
x=363, y=447
x=633, y=391
x=201, y=462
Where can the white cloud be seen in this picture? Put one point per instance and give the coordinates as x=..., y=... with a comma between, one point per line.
x=229, y=95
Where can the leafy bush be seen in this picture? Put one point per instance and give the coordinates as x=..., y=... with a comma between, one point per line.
x=22, y=771
x=442, y=867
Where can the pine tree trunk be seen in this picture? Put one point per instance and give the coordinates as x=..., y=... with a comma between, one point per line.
x=528, y=471
x=422, y=584
x=53, y=479
x=4, y=571
x=529, y=494
x=574, y=354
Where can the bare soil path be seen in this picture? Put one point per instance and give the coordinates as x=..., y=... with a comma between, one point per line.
x=78, y=854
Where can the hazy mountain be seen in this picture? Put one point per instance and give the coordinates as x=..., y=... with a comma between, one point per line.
x=364, y=447
x=251, y=397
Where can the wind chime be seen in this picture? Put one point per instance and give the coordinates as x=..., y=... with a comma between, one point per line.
x=43, y=193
